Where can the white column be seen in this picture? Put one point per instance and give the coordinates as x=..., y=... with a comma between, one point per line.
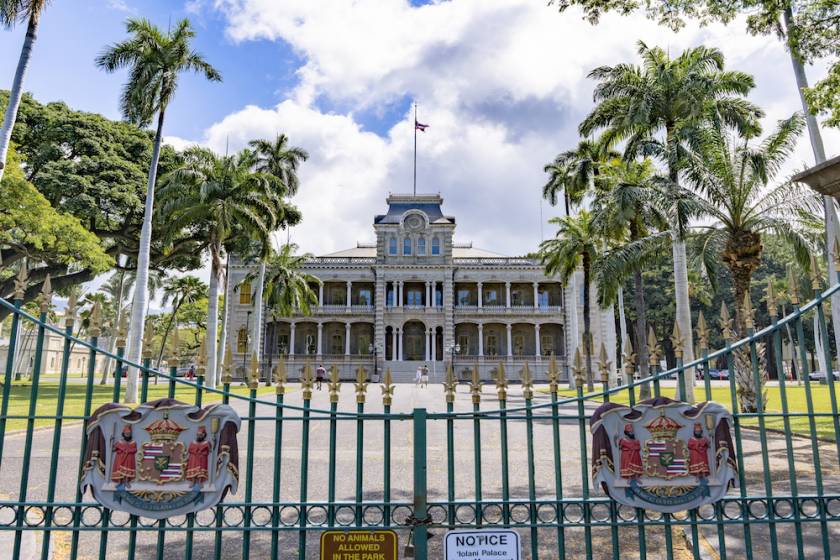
x=349, y=292
x=402, y=345
x=509, y=345
x=480, y=295
x=394, y=344
x=320, y=332
x=480, y=340
x=399, y=293
x=428, y=294
x=428, y=348
x=346, y=339
x=320, y=295
x=433, y=353
x=537, y=339
x=536, y=294
x=507, y=297
x=291, y=339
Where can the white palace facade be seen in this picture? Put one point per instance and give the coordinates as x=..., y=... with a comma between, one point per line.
x=414, y=297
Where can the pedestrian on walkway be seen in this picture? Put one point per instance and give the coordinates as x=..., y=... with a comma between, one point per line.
x=418, y=376
x=424, y=376
x=320, y=373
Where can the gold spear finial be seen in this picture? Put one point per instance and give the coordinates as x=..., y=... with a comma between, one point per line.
x=387, y=388
x=677, y=340
x=629, y=361
x=306, y=382
x=770, y=298
x=725, y=322
x=334, y=384
x=748, y=312
x=653, y=348
x=45, y=299
x=174, y=354
x=20, y=282
x=361, y=384
x=254, y=372
x=475, y=386
x=450, y=384
x=527, y=382
x=95, y=320
x=201, y=359
x=702, y=331
x=122, y=329
x=148, y=339
x=553, y=375
x=280, y=377
x=577, y=369
x=793, y=286
x=70, y=312
x=501, y=382
x=227, y=366
x=815, y=274
x=604, y=365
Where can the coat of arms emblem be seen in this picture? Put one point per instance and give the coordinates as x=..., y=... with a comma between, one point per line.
x=163, y=458
x=662, y=454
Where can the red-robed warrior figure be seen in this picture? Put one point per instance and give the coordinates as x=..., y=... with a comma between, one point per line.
x=198, y=453
x=698, y=453
x=630, y=465
x=123, y=469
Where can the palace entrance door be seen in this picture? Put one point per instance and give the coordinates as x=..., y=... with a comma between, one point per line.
x=415, y=341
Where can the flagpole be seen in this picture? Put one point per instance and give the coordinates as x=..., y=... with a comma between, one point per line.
x=415, y=149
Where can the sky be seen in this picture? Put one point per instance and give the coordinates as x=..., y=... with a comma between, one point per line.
x=502, y=84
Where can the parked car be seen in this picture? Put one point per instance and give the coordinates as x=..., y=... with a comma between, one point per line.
x=714, y=374
x=821, y=377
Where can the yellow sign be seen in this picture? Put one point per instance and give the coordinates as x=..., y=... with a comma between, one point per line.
x=359, y=545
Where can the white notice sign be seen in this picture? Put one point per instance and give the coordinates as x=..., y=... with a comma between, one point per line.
x=482, y=545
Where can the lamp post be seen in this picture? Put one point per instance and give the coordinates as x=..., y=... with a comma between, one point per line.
x=247, y=340
x=374, y=349
x=454, y=349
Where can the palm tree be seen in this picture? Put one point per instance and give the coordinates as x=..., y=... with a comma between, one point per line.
x=281, y=161
x=155, y=60
x=575, y=245
x=220, y=198
x=657, y=109
x=288, y=289
x=179, y=291
x=11, y=13
x=574, y=172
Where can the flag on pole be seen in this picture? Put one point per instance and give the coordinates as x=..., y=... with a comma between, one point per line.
x=420, y=126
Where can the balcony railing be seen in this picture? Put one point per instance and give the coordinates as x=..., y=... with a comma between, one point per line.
x=342, y=308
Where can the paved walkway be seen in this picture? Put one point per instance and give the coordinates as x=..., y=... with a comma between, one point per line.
x=406, y=398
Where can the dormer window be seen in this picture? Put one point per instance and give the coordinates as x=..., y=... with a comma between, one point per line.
x=406, y=246
x=392, y=246
x=435, y=246
x=421, y=246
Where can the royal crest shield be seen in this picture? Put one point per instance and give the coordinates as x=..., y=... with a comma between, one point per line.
x=662, y=454
x=161, y=459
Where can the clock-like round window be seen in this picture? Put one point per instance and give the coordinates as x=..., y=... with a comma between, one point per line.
x=414, y=222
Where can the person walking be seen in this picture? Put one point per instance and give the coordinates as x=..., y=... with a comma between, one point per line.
x=418, y=376
x=320, y=373
x=424, y=376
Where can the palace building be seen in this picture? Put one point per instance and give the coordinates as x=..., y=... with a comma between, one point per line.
x=414, y=297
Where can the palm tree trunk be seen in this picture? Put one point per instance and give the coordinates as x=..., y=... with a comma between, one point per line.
x=587, y=331
x=622, y=324
x=683, y=314
x=641, y=330
x=213, y=318
x=117, y=320
x=16, y=92
x=223, y=336
x=175, y=309
x=141, y=283
x=258, y=312
x=572, y=332
x=831, y=225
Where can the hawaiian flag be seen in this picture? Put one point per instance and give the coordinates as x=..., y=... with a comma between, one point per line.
x=420, y=126
x=662, y=451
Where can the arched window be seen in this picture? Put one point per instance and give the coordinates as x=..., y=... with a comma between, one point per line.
x=245, y=293
x=407, y=246
x=421, y=246
x=435, y=246
x=392, y=246
x=242, y=341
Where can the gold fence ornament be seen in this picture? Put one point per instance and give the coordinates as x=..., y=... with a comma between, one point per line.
x=475, y=386
x=702, y=331
x=20, y=282
x=227, y=366
x=450, y=384
x=527, y=382
x=793, y=286
x=653, y=348
x=254, y=373
x=604, y=365
x=45, y=298
x=361, y=384
x=95, y=320
x=677, y=341
x=70, y=313
x=334, y=384
x=306, y=381
x=501, y=382
x=553, y=375
x=148, y=339
x=577, y=369
x=280, y=378
x=726, y=322
x=770, y=298
x=387, y=387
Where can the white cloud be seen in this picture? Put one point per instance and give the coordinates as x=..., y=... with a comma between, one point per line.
x=502, y=83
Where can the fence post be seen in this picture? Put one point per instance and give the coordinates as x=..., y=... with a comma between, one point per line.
x=420, y=506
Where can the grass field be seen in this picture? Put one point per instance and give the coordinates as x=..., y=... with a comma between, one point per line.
x=75, y=399
x=795, y=400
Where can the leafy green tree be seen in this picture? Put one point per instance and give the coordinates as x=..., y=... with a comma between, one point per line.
x=576, y=244
x=824, y=97
x=288, y=289
x=220, y=198
x=179, y=291
x=155, y=61
x=657, y=109
x=11, y=13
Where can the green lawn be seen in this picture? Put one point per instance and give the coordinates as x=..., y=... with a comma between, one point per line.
x=75, y=399
x=795, y=398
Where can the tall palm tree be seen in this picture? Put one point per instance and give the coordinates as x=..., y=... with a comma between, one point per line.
x=220, y=198
x=574, y=172
x=657, y=108
x=155, y=61
x=179, y=291
x=11, y=13
x=280, y=160
x=288, y=289
x=575, y=245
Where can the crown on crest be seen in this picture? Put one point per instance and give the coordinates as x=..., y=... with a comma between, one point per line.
x=664, y=428
x=164, y=430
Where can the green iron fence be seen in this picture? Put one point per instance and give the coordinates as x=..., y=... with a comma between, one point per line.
x=520, y=461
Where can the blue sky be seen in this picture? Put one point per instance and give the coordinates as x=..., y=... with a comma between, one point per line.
x=501, y=82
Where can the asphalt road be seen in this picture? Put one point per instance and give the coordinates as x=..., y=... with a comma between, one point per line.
x=406, y=398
